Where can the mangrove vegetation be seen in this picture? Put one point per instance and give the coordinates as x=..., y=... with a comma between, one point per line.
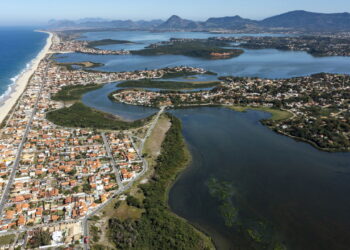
x=158, y=227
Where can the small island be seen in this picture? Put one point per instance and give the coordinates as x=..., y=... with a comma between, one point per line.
x=151, y=83
x=103, y=42
x=208, y=49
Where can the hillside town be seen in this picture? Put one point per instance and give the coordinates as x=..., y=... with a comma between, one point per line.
x=319, y=104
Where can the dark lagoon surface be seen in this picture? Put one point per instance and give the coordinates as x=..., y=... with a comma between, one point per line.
x=286, y=192
x=301, y=191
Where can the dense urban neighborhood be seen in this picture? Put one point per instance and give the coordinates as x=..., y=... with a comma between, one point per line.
x=52, y=177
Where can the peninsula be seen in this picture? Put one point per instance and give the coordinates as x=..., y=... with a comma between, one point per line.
x=318, y=105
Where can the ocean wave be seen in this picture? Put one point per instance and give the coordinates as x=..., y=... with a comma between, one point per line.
x=12, y=86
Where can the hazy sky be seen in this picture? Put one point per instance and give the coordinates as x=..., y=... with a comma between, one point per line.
x=39, y=11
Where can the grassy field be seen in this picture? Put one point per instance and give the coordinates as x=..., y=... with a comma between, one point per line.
x=98, y=225
x=123, y=211
x=7, y=239
x=277, y=114
x=154, y=142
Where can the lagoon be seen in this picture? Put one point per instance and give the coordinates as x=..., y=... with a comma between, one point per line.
x=301, y=192
x=266, y=63
x=287, y=191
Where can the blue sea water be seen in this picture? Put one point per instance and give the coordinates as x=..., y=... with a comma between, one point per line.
x=18, y=47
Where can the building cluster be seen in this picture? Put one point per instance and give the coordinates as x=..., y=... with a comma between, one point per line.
x=128, y=161
x=62, y=173
x=315, y=45
x=52, y=176
x=60, y=76
x=173, y=41
x=319, y=104
x=72, y=46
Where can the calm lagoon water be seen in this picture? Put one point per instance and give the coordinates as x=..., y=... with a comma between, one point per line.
x=266, y=63
x=98, y=99
x=299, y=192
x=142, y=39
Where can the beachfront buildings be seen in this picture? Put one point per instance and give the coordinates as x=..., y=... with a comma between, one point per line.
x=52, y=176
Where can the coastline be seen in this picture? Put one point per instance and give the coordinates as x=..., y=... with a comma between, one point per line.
x=20, y=84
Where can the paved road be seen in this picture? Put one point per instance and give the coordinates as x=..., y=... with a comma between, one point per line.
x=122, y=188
x=114, y=164
x=6, y=191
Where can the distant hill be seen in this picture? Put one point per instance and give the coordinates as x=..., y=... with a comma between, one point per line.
x=96, y=23
x=233, y=22
x=309, y=21
x=176, y=23
x=295, y=20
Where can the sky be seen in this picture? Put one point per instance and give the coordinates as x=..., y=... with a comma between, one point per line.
x=13, y=12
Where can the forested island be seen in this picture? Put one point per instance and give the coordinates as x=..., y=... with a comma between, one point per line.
x=104, y=42
x=161, y=84
x=208, y=49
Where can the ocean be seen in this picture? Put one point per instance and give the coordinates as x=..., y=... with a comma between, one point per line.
x=18, y=47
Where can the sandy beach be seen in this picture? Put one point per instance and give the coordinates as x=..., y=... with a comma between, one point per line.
x=22, y=81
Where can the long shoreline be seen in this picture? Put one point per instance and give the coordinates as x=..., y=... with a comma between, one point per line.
x=21, y=83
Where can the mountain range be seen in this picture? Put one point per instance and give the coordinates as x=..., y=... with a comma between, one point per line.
x=295, y=20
